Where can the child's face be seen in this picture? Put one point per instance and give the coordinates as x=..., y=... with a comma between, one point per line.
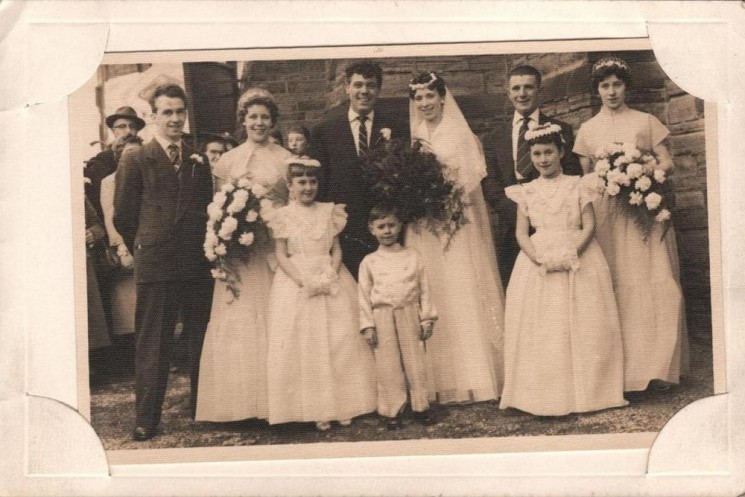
x=386, y=230
x=297, y=143
x=546, y=158
x=304, y=189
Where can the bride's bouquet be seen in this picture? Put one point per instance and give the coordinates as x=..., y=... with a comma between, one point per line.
x=235, y=217
x=639, y=189
x=412, y=179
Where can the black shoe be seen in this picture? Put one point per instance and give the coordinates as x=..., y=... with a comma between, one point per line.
x=425, y=418
x=141, y=434
x=393, y=424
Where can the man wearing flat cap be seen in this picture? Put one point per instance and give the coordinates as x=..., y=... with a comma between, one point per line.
x=123, y=123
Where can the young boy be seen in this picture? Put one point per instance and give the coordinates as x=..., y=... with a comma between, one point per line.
x=396, y=317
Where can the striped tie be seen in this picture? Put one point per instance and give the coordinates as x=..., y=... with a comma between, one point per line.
x=362, y=138
x=524, y=165
x=173, y=154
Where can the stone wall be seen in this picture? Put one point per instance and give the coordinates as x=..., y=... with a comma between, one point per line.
x=306, y=89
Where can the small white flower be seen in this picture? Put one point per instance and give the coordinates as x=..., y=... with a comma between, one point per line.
x=210, y=239
x=244, y=183
x=240, y=197
x=634, y=170
x=218, y=274
x=210, y=255
x=643, y=184
x=386, y=133
x=659, y=176
x=220, y=198
x=227, y=228
x=87, y=181
x=246, y=239
x=221, y=249
x=214, y=211
x=602, y=167
x=197, y=158
x=630, y=151
x=227, y=187
x=252, y=216
x=636, y=198
x=259, y=190
x=601, y=152
x=653, y=200
x=613, y=189
x=662, y=216
x=622, y=161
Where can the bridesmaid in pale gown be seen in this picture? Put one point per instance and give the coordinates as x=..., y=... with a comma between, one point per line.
x=645, y=274
x=465, y=351
x=232, y=374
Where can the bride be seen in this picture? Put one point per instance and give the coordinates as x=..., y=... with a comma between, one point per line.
x=465, y=351
x=232, y=372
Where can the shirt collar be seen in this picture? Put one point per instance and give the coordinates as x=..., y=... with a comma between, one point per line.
x=534, y=116
x=352, y=115
x=165, y=142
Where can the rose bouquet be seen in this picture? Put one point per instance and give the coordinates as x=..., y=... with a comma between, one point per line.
x=235, y=220
x=412, y=179
x=640, y=190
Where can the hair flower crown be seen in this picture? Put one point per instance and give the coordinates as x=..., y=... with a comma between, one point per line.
x=543, y=130
x=421, y=86
x=609, y=62
x=302, y=161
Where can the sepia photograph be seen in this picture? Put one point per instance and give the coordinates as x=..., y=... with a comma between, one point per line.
x=460, y=243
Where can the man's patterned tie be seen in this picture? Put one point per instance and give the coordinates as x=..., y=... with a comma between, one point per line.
x=362, y=137
x=524, y=164
x=174, y=155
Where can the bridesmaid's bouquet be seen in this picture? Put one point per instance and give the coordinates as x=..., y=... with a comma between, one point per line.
x=638, y=187
x=234, y=221
x=412, y=179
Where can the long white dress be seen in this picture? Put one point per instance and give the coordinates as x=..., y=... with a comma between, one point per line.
x=232, y=371
x=319, y=366
x=465, y=350
x=645, y=275
x=563, y=350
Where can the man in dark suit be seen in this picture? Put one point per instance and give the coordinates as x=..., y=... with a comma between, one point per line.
x=341, y=143
x=123, y=124
x=508, y=158
x=160, y=204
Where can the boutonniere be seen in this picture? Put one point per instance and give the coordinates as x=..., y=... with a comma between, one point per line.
x=198, y=159
x=385, y=133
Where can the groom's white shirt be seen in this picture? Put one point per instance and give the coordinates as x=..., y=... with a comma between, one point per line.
x=354, y=123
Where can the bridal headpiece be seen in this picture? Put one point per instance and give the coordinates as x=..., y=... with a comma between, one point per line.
x=610, y=62
x=302, y=161
x=545, y=129
x=426, y=84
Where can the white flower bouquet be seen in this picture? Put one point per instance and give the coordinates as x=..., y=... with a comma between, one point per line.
x=639, y=189
x=234, y=222
x=321, y=280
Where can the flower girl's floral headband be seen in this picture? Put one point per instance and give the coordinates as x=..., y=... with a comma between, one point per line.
x=543, y=130
x=421, y=86
x=610, y=62
x=302, y=161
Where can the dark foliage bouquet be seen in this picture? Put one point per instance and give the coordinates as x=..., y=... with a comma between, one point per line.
x=414, y=181
x=639, y=189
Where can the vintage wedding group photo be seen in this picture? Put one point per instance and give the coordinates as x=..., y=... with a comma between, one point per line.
x=343, y=245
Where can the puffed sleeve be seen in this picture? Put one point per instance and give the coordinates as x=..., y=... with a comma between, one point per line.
x=338, y=218
x=516, y=193
x=581, y=147
x=658, y=131
x=278, y=223
x=590, y=186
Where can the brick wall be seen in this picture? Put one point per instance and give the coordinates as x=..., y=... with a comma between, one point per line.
x=306, y=89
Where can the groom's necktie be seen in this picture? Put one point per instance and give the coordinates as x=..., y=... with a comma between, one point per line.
x=362, y=137
x=524, y=165
x=174, y=155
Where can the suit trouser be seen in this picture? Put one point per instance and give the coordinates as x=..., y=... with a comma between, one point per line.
x=157, y=309
x=400, y=358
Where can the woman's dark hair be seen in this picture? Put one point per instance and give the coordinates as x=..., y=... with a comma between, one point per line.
x=295, y=170
x=366, y=69
x=276, y=133
x=437, y=85
x=599, y=74
x=379, y=211
x=259, y=100
x=548, y=139
x=299, y=129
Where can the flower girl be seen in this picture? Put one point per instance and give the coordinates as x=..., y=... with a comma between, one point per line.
x=563, y=350
x=319, y=367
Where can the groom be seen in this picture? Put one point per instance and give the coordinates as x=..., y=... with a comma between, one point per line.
x=341, y=143
x=508, y=159
x=160, y=205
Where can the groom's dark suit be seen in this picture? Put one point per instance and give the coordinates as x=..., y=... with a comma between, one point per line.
x=162, y=214
x=343, y=181
x=500, y=166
